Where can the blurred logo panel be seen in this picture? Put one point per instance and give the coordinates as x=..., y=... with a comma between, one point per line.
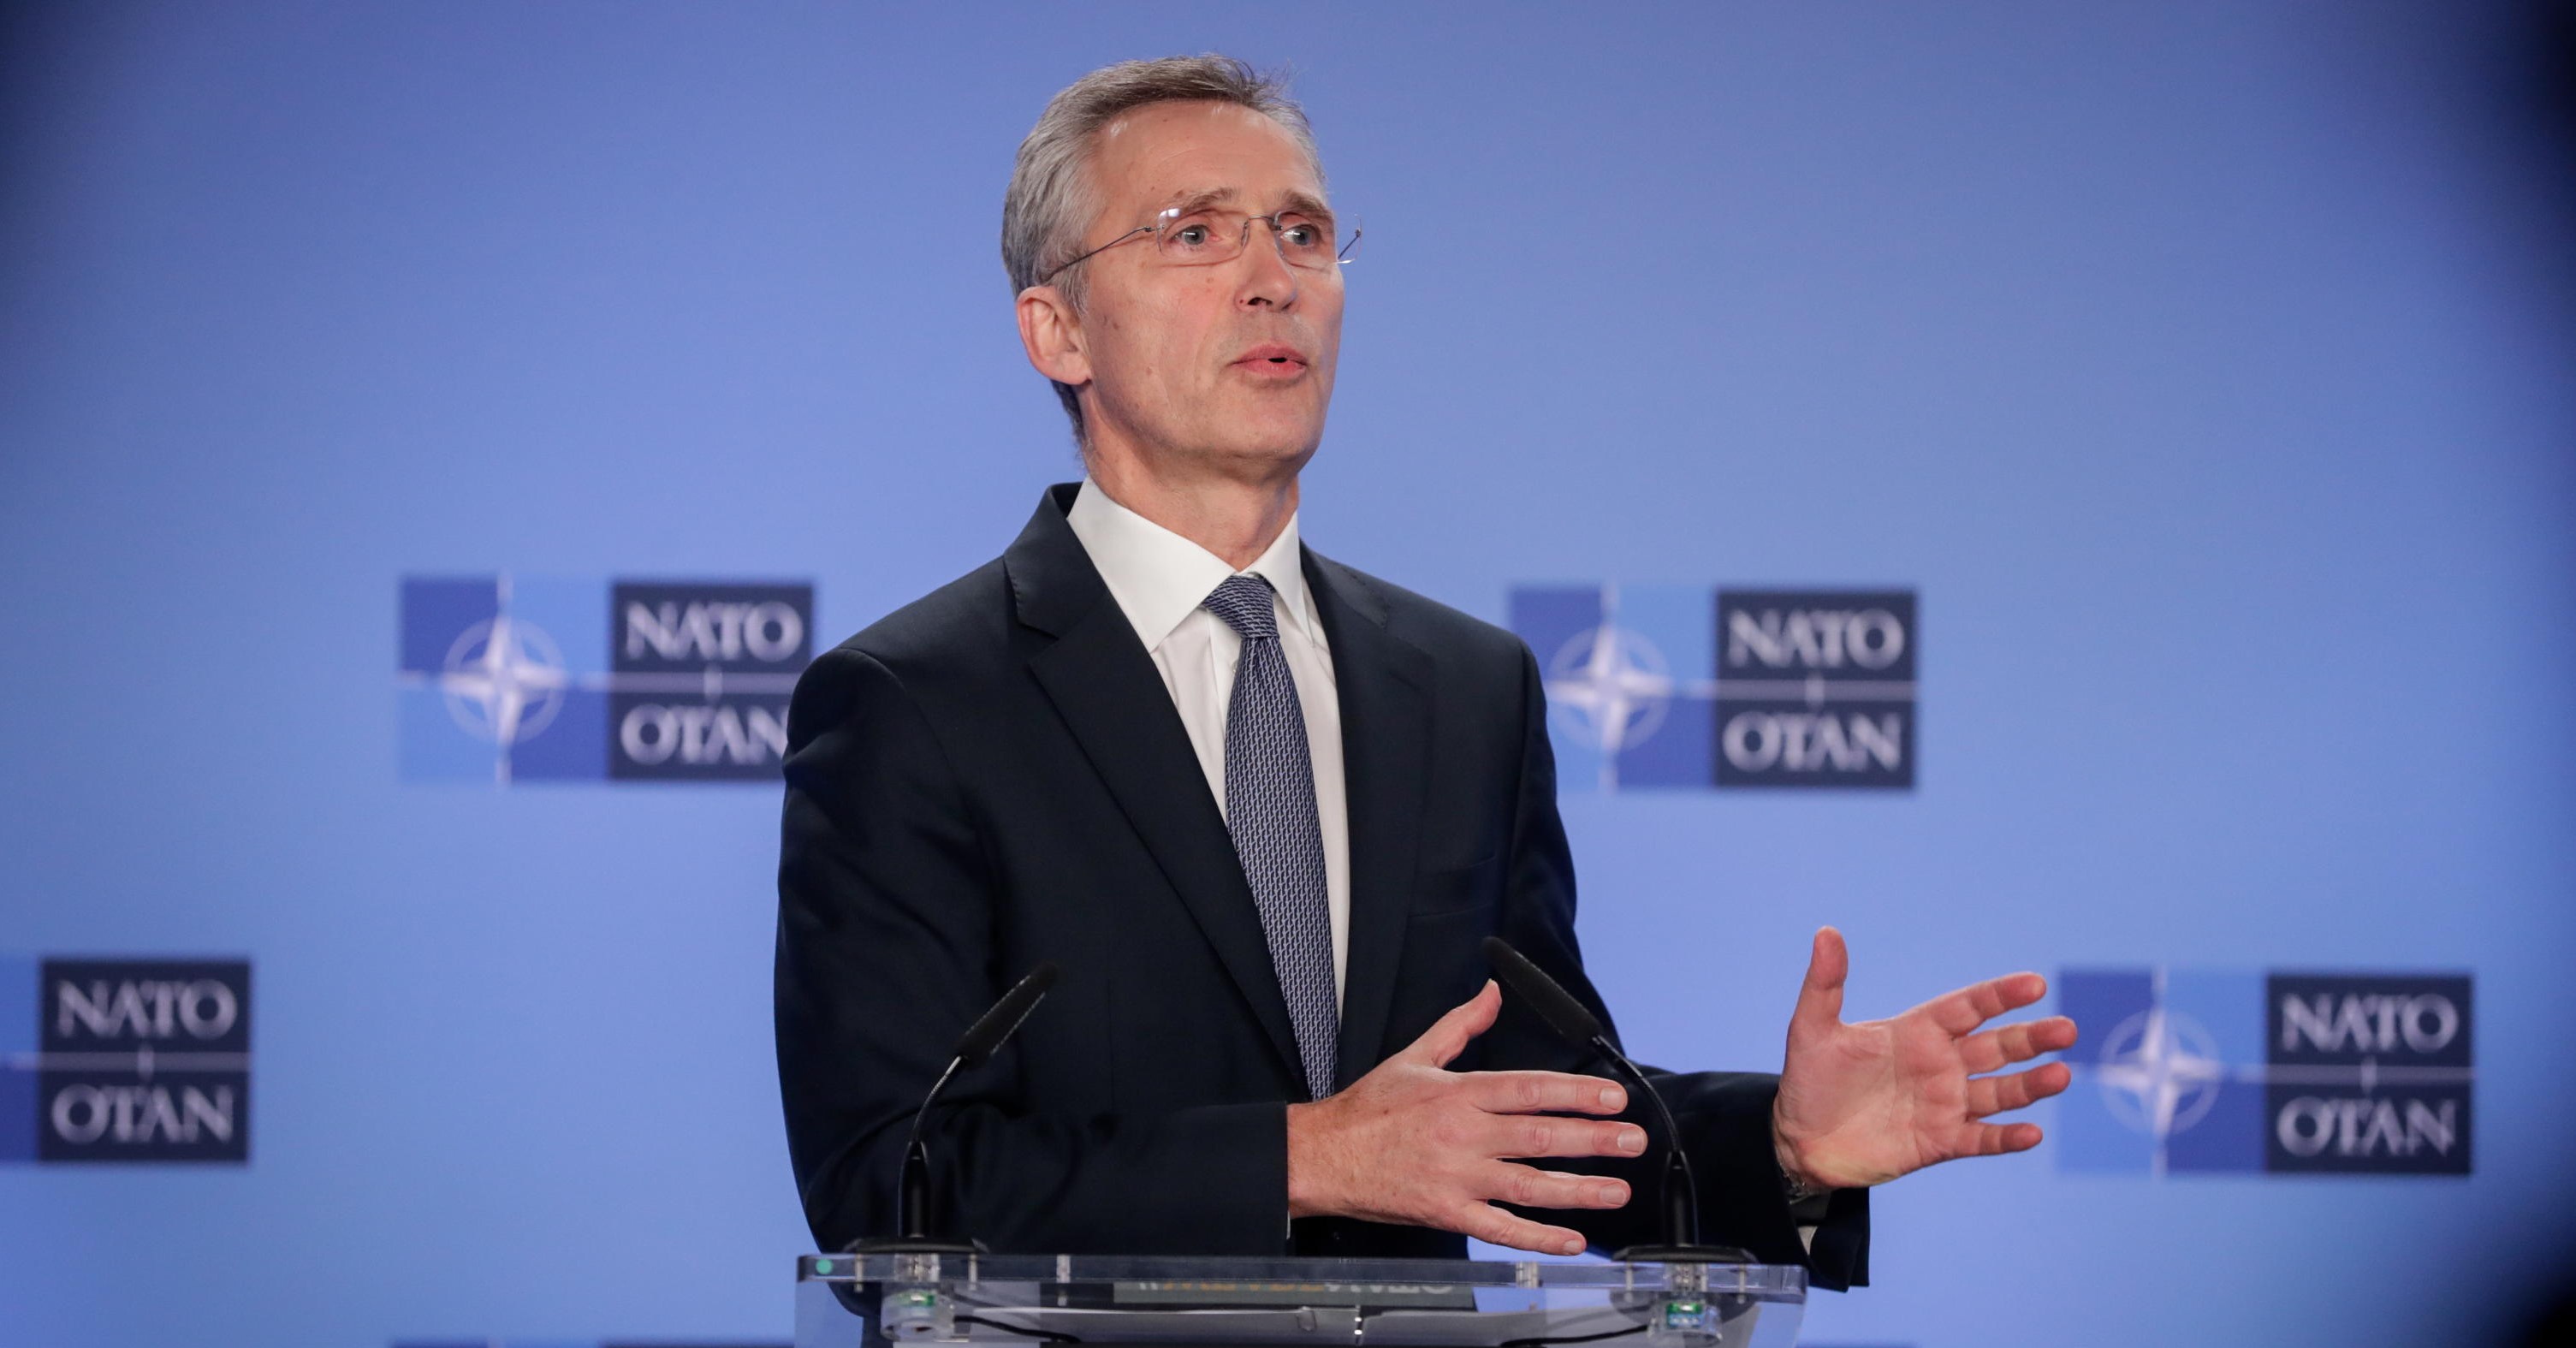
x=503, y=679
x=2184, y=1071
x=124, y=1060
x=1684, y=686
x=580, y=1343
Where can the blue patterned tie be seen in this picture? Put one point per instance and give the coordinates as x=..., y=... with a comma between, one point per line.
x=1270, y=810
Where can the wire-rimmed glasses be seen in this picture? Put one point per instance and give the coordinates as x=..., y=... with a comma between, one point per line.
x=1185, y=237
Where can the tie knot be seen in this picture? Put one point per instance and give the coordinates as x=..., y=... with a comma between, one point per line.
x=1244, y=603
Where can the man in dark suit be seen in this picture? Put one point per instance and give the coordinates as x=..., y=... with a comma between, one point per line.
x=1261, y=809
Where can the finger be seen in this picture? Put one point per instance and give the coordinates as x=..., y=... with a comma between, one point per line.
x=1963, y=1011
x=1494, y=1226
x=1449, y=1036
x=1997, y=1139
x=1997, y=1095
x=1540, y=1135
x=1537, y=1092
x=1820, y=997
x=1991, y=1049
x=1529, y=1187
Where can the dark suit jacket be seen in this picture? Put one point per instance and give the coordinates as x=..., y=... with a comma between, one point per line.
x=995, y=776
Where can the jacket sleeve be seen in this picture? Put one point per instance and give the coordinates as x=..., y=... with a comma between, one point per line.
x=887, y=950
x=1725, y=1117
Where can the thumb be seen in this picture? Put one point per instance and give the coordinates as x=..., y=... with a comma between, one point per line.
x=1820, y=997
x=1449, y=1036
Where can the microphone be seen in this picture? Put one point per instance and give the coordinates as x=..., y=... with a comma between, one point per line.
x=981, y=1041
x=985, y=1037
x=1576, y=1024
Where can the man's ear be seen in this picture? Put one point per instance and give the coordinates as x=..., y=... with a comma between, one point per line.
x=1051, y=333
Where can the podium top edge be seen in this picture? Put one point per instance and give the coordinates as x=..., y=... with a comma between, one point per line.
x=1320, y=1274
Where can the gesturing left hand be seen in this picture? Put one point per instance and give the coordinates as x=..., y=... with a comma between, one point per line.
x=1863, y=1104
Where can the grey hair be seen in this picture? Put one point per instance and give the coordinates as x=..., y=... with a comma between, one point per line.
x=1050, y=198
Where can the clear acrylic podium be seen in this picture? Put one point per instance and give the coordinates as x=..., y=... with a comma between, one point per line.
x=877, y=1300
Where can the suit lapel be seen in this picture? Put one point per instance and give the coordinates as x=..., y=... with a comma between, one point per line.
x=1385, y=697
x=1107, y=690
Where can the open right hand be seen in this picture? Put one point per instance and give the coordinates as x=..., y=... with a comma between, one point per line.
x=1415, y=1144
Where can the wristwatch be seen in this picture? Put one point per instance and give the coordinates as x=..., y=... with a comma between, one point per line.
x=1807, y=1205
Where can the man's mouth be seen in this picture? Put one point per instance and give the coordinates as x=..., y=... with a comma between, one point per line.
x=1272, y=360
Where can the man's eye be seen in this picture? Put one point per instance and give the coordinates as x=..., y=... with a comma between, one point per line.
x=1302, y=235
x=1191, y=236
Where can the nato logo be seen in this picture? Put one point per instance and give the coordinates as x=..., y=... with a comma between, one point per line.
x=503, y=679
x=124, y=1060
x=1681, y=686
x=2185, y=1072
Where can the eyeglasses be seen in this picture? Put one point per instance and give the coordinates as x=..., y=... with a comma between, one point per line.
x=1201, y=238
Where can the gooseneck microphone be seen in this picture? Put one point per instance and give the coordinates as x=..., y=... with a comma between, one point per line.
x=981, y=1041
x=1576, y=1024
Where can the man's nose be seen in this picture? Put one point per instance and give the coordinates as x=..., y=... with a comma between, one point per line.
x=1268, y=279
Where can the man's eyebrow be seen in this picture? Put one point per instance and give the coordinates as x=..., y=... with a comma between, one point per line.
x=1204, y=198
x=1292, y=203
x=1300, y=203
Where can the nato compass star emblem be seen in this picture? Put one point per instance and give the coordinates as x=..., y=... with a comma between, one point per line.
x=481, y=655
x=1626, y=704
x=2160, y=1072
x=1611, y=687
x=504, y=679
x=2173, y=1060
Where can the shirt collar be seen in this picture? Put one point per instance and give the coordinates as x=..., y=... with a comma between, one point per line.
x=1160, y=578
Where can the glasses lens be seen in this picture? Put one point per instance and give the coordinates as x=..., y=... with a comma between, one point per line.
x=1200, y=238
x=1305, y=242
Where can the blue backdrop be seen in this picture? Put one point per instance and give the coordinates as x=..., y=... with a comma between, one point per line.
x=2203, y=369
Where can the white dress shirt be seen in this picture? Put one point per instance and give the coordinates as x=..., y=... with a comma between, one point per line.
x=1159, y=579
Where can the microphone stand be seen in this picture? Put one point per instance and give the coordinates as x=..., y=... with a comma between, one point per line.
x=912, y=1185
x=1576, y=1024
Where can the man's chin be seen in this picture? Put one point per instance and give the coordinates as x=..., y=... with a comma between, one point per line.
x=1271, y=428
x=1245, y=438
x=1249, y=438
x=1262, y=458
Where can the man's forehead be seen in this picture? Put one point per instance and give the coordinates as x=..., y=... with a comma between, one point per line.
x=1166, y=154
